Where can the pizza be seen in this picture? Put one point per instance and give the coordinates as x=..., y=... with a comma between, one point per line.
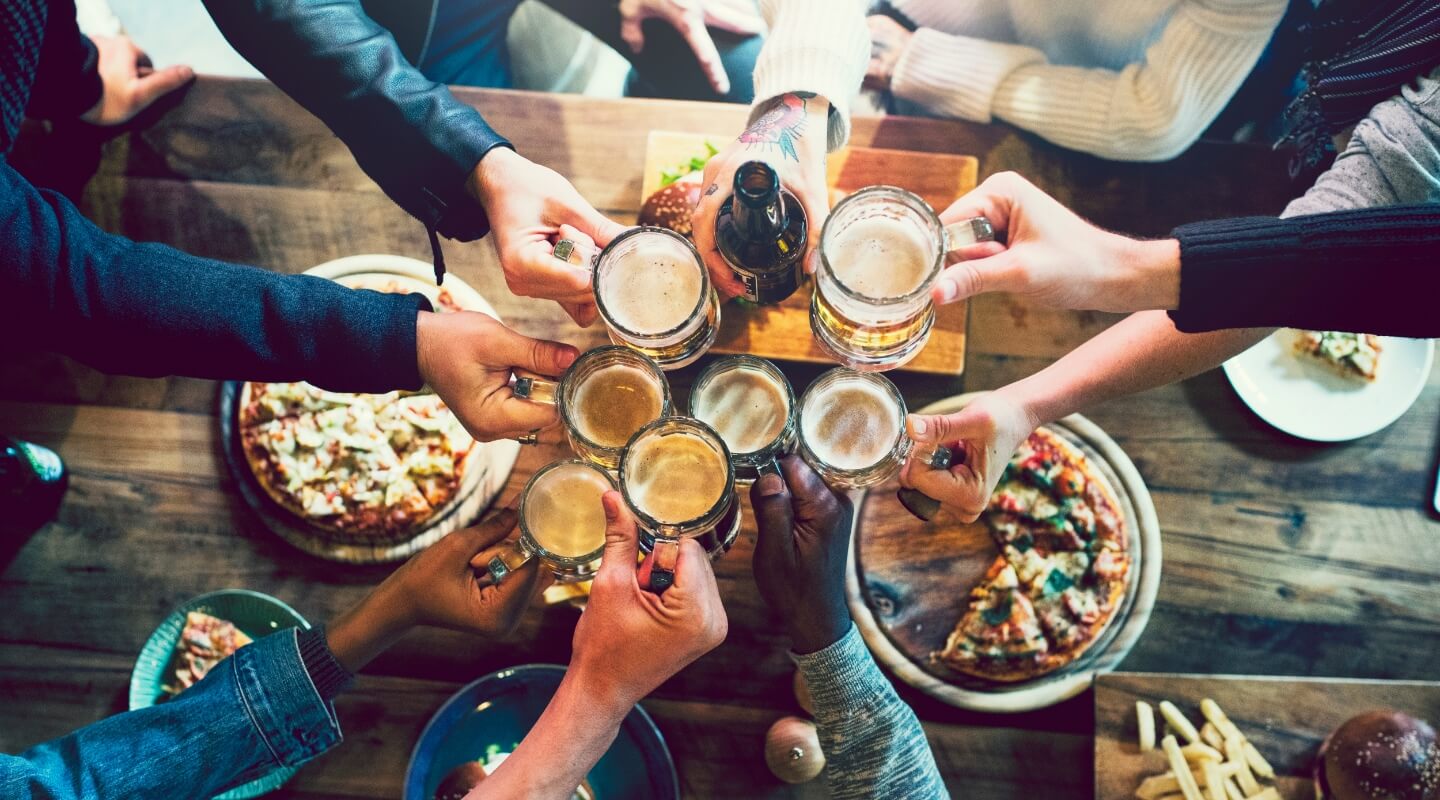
x=1062, y=571
x=204, y=642
x=366, y=468
x=1353, y=355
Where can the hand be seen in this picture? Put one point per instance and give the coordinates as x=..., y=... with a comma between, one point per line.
x=531, y=207
x=629, y=641
x=983, y=435
x=693, y=18
x=131, y=84
x=791, y=137
x=441, y=586
x=888, y=40
x=1055, y=257
x=468, y=359
x=801, y=553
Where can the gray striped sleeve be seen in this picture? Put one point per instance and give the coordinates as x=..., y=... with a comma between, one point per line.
x=874, y=746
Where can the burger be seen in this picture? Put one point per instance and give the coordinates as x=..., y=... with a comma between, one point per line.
x=1379, y=755
x=671, y=205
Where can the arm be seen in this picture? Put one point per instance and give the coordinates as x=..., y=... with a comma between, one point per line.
x=269, y=705
x=873, y=744
x=815, y=46
x=1151, y=110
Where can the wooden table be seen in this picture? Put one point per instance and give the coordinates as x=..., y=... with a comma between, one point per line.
x=1281, y=557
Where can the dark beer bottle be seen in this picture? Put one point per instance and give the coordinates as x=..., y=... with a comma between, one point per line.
x=760, y=231
x=32, y=481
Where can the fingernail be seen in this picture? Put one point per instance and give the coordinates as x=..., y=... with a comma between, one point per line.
x=946, y=290
x=917, y=424
x=769, y=485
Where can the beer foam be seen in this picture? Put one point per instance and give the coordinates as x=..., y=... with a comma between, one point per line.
x=613, y=402
x=651, y=289
x=880, y=257
x=674, y=478
x=745, y=406
x=563, y=511
x=850, y=424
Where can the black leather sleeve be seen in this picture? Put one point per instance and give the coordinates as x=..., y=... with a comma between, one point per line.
x=407, y=132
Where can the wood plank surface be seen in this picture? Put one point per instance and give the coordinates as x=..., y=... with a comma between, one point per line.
x=1285, y=718
x=1281, y=556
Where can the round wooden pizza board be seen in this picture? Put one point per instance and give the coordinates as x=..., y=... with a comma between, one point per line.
x=487, y=467
x=917, y=576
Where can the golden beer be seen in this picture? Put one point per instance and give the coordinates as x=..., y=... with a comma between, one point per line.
x=852, y=428
x=562, y=522
x=654, y=294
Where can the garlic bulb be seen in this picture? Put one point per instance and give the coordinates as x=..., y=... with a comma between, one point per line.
x=792, y=750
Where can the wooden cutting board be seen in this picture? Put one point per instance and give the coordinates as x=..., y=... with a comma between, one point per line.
x=783, y=331
x=1285, y=718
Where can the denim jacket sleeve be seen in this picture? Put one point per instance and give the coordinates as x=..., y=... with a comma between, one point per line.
x=256, y=711
x=874, y=746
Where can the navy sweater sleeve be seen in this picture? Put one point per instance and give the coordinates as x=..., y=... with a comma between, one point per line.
x=150, y=310
x=1372, y=270
x=410, y=134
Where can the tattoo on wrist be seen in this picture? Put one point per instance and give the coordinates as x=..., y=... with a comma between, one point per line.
x=782, y=125
x=714, y=187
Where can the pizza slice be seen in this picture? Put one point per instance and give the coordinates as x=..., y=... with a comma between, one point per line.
x=1352, y=355
x=204, y=642
x=999, y=637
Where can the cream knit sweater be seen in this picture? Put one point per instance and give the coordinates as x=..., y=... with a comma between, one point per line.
x=1136, y=80
x=819, y=46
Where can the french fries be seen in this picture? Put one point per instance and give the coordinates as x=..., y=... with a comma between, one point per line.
x=1216, y=758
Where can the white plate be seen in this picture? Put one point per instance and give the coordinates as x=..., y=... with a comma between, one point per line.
x=1309, y=400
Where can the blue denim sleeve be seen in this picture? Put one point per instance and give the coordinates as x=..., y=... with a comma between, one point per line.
x=256, y=711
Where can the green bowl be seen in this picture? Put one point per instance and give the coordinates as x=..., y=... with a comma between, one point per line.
x=252, y=612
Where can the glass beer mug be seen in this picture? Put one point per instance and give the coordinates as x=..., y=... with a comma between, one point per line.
x=677, y=479
x=654, y=294
x=852, y=430
x=562, y=522
x=750, y=403
x=881, y=251
x=607, y=395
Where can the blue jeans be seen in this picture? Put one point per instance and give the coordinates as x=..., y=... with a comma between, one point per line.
x=256, y=711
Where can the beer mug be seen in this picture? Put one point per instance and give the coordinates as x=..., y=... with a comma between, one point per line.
x=562, y=522
x=881, y=251
x=852, y=430
x=749, y=402
x=677, y=479
x=654, y=294
x=607, y=395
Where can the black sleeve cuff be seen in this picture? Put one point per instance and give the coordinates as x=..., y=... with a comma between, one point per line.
x=329, y=676
x=1227, y=279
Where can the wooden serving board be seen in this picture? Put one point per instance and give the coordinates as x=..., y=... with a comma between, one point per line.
x=1285, y=718
x=783, y=331
x=909, y=582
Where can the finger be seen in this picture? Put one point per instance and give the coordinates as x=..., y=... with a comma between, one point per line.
x=600, y=228
x=994, y=199
x=775, y=519
x=491, y=531
x=541, y=356
x=817, y=209
x=1001, y=272
x=631, y=32
x=584, y=314
x=702, y=231
x=513, y=417
x=692, y=28
x=737, y=18
x=505, y=602
x=161, y=82
x=813, y=500
x=546, y=276
x=694, y=574
x=622, y=540
x=663, y=558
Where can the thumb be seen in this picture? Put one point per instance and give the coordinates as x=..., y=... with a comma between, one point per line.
x=490, y=532
x=944, y=428
x=774, y=517
x=540, y=356
x=622, y=541
x=161, y=82
x=996, y=273
x=632, y=33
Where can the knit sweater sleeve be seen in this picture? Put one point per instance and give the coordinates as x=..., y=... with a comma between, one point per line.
x=1151, y=110
x=819, y=46
x=874, y=746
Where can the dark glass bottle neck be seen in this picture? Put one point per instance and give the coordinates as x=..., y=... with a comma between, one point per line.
x=759, y=208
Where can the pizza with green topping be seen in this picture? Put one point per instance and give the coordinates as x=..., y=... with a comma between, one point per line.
x=1062, y=571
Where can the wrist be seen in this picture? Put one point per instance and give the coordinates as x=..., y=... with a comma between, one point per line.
x=429, y=333
x=825, y=631
x=1150, y=275
x=600, y=691
x=370, y=627
x=487, y=178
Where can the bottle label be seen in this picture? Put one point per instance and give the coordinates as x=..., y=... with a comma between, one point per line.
x=770, y=287
x=45, y=462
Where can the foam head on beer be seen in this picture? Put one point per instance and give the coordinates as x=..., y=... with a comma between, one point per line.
x=563, y=511
x=745, y=406
x=880, y=256
x=850, y=424
x=675, y=477
x=651, y=287
x=613, y=402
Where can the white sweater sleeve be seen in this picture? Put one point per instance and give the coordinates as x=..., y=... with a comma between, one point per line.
x=819, y=46
x=1148, y=111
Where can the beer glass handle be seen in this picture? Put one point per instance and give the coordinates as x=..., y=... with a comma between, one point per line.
x=967, y=232
x=507, y=562
x=917, y=502
x=664, y=554
x=535, y=389
x=770, y=466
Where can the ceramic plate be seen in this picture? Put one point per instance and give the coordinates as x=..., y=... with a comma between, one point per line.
x=1309, y=400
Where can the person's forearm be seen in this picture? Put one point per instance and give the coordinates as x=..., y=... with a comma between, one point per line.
x=573, y=732
x=368, y=629
x=1140, y=352
x=816, y=46
x=873, y=743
